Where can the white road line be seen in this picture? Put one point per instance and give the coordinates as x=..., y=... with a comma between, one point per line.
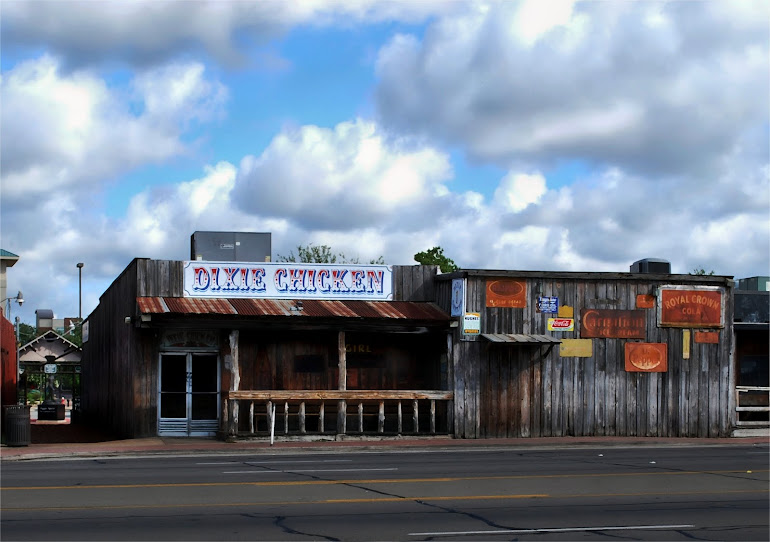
x=561, y=530
x=253, y=472
x=275, y=462
x=339, y=470
x=293, y=471
x=293, y=462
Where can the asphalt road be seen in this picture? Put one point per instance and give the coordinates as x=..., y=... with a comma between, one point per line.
x=645, y=493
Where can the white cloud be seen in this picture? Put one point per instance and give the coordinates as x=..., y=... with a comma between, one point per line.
x=517, y=190
x=650, y=87
x=146, y=32
x=638, y=93
x=348, y=177
x=74, y=132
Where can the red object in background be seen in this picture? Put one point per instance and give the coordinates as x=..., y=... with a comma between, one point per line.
x=8, y=355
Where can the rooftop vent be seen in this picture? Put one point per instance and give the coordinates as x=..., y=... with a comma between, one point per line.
x=651, y=265
x=227, y=246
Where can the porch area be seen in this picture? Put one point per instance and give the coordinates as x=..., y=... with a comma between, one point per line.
x=252, y=413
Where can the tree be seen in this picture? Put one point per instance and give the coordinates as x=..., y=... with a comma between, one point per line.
x=700, y=272
x=435, y=256
x=321, y=254
x=26, y=333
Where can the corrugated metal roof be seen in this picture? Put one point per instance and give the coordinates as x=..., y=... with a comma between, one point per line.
x=311, y=308
x=520, y=338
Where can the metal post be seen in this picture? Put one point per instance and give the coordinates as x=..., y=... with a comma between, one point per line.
x=80, y=291
x=18, y=363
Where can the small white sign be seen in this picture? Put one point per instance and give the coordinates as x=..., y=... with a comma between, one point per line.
x=472, y=323
x=49, y=368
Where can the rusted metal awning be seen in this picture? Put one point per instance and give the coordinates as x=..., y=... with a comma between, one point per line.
x=521, y=338
x=306, y=308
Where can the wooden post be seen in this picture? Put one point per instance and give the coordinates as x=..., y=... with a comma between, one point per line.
x=400, y=419
x=415, y=416
x=342, y=383
x=433, y=416
x=235, y=381
x=269, y=415
x=360, y=417
x=251, y=417
x=381, y=418
x=286, y=418
x=321, y=418
x=302, y=417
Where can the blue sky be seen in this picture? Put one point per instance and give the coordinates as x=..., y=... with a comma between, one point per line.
x=566, y=135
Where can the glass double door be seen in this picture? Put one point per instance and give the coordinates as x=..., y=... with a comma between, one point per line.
x=188, y=394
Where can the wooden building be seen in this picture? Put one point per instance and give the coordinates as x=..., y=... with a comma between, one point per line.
x=161, y=361
x=576, y=354
x=172, y=350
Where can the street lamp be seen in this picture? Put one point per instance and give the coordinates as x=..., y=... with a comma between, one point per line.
x=19, y=299
x=80, y=291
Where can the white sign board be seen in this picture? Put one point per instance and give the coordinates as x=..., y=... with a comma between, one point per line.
x=471, y=323
x=287, y=280
x=49, y=368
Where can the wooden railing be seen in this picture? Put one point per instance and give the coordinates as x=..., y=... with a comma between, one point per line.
x=755, y=401
x=300, y=412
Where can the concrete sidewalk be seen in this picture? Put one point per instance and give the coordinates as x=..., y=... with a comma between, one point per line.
x=178, y=445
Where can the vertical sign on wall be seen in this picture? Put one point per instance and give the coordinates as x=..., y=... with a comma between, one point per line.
x=458, y=297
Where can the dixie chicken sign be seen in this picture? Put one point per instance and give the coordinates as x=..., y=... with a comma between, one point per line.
x=287, y=281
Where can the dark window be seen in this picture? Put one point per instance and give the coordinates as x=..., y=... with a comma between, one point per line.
x=309, y=364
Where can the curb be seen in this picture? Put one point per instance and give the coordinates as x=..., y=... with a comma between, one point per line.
x=158, y=446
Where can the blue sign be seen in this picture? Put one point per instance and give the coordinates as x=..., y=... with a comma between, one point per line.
x=548, y=304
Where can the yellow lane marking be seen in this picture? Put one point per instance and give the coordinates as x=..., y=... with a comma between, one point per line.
x=374, y=500
x=381, y=480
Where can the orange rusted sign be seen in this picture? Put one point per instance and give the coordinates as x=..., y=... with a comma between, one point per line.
x=645, y=301
x=690, y=308
x=507, y=293
x=707, y=337
x=611, y=323
x=646, y=357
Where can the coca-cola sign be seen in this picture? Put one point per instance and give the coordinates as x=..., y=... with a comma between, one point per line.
x=561, y=324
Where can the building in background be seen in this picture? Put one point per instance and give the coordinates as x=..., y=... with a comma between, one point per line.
x=7, y=259
x=752, y=360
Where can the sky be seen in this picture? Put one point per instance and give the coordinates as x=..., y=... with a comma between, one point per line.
x=516, y=135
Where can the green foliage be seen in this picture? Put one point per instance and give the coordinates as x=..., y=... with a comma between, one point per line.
x=26, y=333
x=435, y=256
x=75, y=335
x=321, y=254
x=700, y=271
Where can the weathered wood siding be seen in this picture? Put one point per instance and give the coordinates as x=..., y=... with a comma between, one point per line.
x=120, y=361
x=120, y=369
x=414, y=282
x=514, y=390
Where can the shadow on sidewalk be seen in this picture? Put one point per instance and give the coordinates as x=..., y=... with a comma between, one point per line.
x=66, y=434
